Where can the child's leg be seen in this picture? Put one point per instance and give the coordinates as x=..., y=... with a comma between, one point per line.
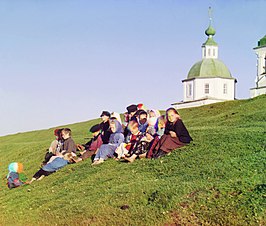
x=142, y=156
x=98, y=154
x=38, y=174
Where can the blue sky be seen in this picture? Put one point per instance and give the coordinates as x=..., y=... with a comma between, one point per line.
x=65, y=61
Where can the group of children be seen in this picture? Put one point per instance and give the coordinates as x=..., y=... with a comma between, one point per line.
x=142, y=134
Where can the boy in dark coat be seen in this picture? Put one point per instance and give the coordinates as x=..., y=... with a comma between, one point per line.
x=105, y=126
x=69, y=144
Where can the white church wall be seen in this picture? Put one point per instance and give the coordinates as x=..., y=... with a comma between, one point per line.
x=260, y=81
x=219, y=88
x=261, y=53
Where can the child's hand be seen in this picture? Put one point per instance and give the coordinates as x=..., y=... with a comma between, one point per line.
x=80, y=147
x=172, y=134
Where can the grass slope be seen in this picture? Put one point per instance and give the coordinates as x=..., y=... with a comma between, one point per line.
x=217, y=180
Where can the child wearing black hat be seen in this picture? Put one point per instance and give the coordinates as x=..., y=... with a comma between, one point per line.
x=105, y=131
x=131, y=110
x=90, y=148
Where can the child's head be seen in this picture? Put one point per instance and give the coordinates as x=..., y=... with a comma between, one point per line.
x=133, y=126
x=66, y=133
x=131, y=110
x=115, y=115
x=15, y=167
x=172, y=115
x=161, y=122
x=58, y=134
x=95, y=130
x=152, y=113
x=142, y=115
x=115, y=126
x=105, y=116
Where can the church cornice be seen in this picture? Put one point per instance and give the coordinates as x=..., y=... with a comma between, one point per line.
x=190, y=79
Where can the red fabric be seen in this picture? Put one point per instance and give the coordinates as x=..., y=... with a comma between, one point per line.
x=152, y=148
x=96, y=144
x=133, y=138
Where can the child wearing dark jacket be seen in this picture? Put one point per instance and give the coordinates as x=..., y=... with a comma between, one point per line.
x=69, y=144
x=90, y=148
x=175, y=135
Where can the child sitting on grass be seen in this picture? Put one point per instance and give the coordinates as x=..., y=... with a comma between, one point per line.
x=90, y=148
x=143, y=146
x=14, y=177
x=131, y=140
x=55, y=146
x=69, y=144
x=175, y=135
x=59, y=162
x=107, y=150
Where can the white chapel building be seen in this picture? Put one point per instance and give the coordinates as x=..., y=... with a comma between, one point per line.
x=260, y=82
x=209, y=80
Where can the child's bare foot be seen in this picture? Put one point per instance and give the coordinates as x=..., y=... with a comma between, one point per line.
x=97, y=162
x=129, y=159
x=40, y=178
x=33, y=179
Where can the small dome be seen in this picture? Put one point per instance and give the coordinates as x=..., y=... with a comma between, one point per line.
x=210, y=31
x=209, y=68
x=262, y=42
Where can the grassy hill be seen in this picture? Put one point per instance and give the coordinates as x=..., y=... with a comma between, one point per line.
x=219, y=179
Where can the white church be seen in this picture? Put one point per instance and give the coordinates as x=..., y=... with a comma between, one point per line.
x=209, y=80
x=260, y=82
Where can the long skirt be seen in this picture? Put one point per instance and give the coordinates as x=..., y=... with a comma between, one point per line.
x=168, y=143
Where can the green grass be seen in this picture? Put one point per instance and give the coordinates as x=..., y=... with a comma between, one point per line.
x=219, y=179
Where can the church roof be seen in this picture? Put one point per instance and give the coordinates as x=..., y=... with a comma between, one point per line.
x=262, y=42
x=210, y=42
x=209, y=68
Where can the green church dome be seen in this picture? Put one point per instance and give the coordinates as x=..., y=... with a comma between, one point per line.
x=262, y=42
x=209, y=68
x=210, y=31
